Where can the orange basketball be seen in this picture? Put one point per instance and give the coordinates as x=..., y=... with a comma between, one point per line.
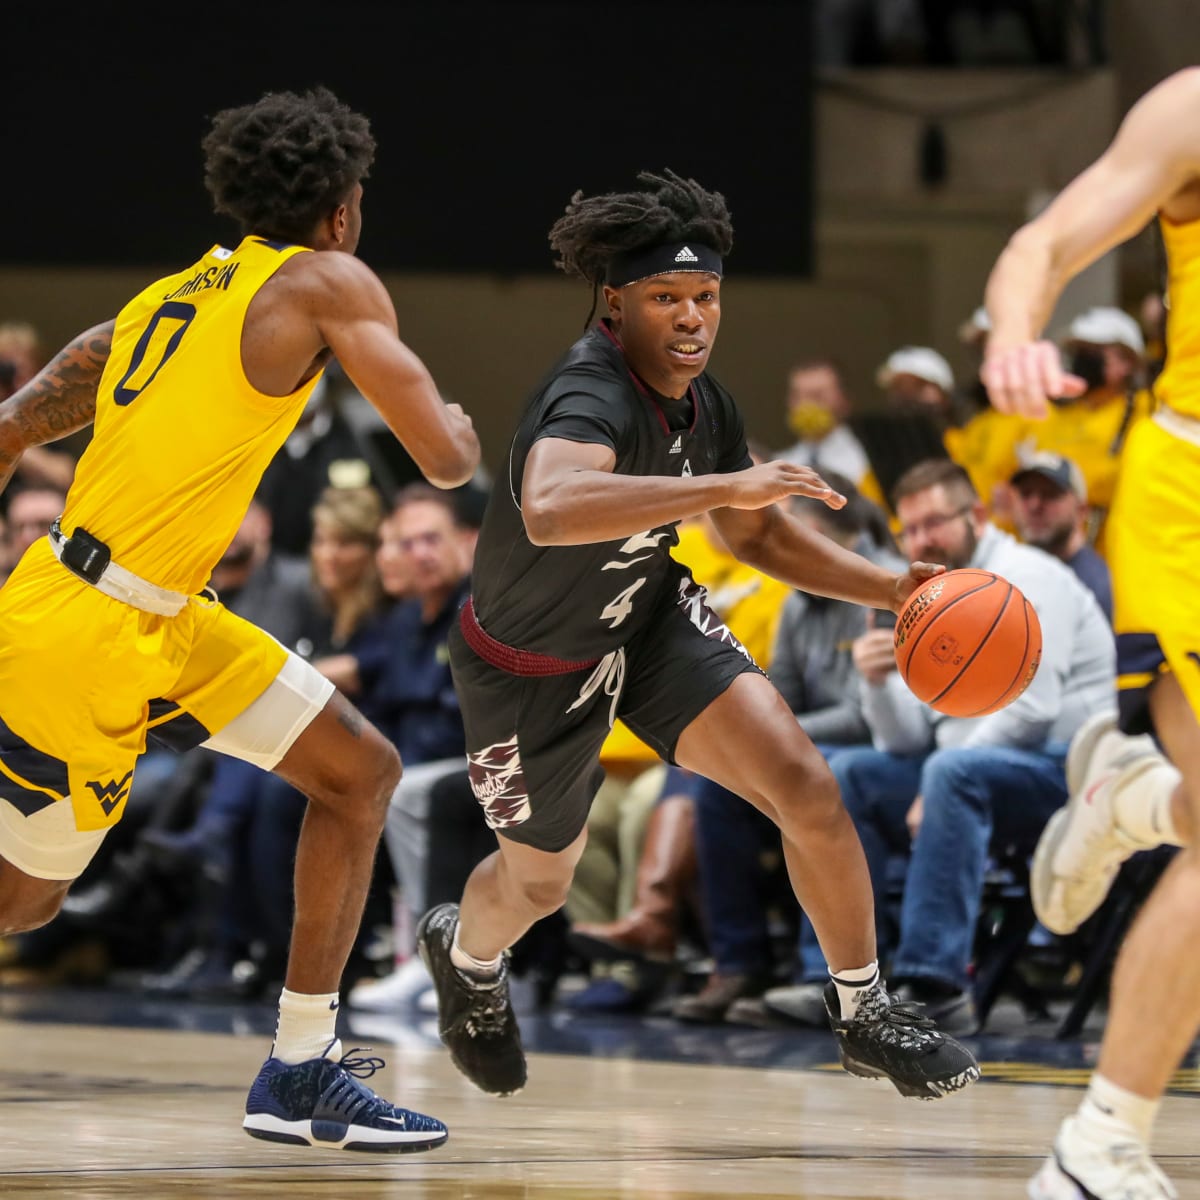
x=968, y=643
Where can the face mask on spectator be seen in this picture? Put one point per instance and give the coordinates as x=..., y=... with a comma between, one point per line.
x=809, y=421
x=1088, y=363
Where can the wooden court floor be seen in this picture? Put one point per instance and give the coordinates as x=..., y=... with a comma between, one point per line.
x=93, y=1112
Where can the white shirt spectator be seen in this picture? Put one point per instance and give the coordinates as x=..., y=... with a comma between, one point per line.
x=838, y=451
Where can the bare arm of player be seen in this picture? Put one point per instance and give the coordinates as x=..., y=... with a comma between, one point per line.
x=1155, y=153
x=570, y=495
x=58, y=400
x=779, y=545
x=358, y=323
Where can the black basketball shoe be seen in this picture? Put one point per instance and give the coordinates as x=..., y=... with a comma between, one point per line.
x=475, y=1018
x=887, y=1039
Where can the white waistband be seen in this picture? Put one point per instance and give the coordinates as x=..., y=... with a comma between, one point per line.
x=129, y=588
x=1176, y=424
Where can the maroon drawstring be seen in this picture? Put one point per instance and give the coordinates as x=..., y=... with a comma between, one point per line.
x=508, y=658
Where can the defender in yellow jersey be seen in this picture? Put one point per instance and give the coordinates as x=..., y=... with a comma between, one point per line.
x=105, y=630
x=1125, y=795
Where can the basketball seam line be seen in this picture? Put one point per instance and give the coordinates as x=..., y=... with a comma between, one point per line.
x=982, y=643
x=987, y=583
x=1023, y=667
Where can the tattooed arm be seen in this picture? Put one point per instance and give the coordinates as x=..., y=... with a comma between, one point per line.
x=58, y=400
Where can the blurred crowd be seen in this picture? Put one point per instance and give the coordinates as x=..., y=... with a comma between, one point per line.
x=680, y=904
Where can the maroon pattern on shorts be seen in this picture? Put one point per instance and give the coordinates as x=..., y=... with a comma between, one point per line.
x=499, y=784
x=693, y=601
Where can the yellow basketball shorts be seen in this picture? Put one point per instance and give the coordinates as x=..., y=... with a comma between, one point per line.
x=84, y=678
x=1153, y=551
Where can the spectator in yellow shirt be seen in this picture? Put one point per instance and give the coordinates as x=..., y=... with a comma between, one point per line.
x=924, y=417
x=1103, y=346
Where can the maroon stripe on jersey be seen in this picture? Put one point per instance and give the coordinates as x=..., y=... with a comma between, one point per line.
x=645, y=392
x=509, y=658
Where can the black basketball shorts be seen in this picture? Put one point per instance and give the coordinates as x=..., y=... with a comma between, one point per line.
x=533, y=744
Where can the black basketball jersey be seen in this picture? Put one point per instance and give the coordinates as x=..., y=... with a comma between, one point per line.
x=580, y=602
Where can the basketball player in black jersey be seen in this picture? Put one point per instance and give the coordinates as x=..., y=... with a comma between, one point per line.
x=581, y=615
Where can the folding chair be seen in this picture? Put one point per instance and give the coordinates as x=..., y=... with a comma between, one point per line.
x=1105, y=931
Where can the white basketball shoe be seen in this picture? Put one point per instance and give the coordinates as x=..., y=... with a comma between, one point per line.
x=392, y=992
x=1083, y=1169
x=1082, y=849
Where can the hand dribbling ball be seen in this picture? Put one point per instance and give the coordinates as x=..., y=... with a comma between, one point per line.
x=968, y=642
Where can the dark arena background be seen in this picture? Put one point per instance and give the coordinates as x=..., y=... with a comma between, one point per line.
x=487, y=116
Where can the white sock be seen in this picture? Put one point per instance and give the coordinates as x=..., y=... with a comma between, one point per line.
x=306, y=1026
x=478, y=967
x=1142, y=808
x=853, y=985
x=1109, y=1112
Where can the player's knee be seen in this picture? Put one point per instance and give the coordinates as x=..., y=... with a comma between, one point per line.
x=382, y=771
x=361, y=787
x=389, y=769
x=26, y=920
x=24, y=907
x=545, y=896
x=810, y=798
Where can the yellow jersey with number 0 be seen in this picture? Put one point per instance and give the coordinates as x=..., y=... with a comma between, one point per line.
x=181, y=436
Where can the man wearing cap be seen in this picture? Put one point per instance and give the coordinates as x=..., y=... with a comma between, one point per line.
x=923, y=410
x=1049, y=501
x=917, y=375
x=917, y=383
x=1103, y=347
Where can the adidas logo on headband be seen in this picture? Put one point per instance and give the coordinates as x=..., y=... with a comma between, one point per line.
x=662, y=259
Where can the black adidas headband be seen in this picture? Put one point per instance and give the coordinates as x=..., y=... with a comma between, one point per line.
x=636, y=265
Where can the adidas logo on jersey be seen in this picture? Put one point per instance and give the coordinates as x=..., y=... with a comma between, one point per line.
x=677, y=447
x=686, y=255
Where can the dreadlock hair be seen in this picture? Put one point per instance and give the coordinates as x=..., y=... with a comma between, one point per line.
x=593, y=229
x=281, y=164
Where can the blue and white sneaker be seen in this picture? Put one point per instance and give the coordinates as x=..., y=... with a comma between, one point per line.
x=322, y=1102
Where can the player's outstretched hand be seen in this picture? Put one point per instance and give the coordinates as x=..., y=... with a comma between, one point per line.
x=1024, y=378
x=757, y=487
x=917, y=574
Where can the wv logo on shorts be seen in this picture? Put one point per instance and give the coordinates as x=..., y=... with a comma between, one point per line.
x=499, y=784
x=110, y=794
